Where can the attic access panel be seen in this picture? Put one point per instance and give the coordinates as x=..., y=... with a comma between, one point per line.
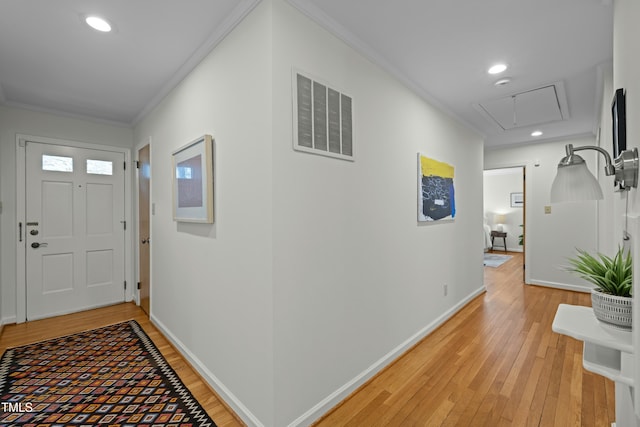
x=537, y=106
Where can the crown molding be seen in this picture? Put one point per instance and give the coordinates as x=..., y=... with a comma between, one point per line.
x=243, y=8
x=313, y=12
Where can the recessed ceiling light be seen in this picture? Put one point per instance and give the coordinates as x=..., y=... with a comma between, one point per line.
x=497, y=69
x=98, y=23
x=503, y=82
x=536, y=133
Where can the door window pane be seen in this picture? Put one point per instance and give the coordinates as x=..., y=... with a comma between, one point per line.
x=57, y=163
x=99, y=167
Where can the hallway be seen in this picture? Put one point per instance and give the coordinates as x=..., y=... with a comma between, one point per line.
x=496, y=363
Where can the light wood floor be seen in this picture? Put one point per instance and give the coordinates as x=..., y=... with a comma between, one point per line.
x=496, y=363
x=25, y=333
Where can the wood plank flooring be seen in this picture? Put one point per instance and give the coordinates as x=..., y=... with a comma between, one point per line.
x=25, y=333
x=496, y=363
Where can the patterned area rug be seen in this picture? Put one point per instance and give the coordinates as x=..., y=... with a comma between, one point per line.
x=495, y=260
x=112, y=376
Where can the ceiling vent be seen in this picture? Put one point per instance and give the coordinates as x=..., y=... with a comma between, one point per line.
x=528, y=108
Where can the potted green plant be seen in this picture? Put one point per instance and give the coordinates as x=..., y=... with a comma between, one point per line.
x=521, y=237
x=613, y=278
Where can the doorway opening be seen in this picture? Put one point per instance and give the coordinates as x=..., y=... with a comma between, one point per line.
x=144, y=210
x=504, y=195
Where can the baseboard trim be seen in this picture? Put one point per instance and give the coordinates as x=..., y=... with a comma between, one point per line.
x=556, y=285
x=8, y=320
x=223, y=392
x=334, y=399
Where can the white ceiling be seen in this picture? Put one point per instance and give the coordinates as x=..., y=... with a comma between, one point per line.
x=49, y=60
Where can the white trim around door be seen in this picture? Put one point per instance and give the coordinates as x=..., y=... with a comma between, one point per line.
x=21, y=198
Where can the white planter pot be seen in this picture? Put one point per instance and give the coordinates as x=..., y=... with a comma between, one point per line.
x=612, y=310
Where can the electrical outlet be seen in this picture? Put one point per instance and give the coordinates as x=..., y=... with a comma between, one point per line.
x=445, y=288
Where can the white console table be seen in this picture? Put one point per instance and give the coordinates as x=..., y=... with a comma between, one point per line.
x=607, y=352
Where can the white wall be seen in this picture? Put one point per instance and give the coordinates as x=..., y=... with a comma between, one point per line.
x=550, y=238
x=609, y=209
x=18, y=121
x=498, y=185
x=355, y=275
x=626, y=69
x=295, y=291
x=212, y=284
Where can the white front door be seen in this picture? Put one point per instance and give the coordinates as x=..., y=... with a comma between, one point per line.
x=74, y=229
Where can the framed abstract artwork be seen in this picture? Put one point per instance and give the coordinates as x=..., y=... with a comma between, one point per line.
x=517, y=200
x=436, y=195
x=193, y=181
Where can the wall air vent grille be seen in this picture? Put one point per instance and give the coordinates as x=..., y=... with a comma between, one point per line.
x=322, y=119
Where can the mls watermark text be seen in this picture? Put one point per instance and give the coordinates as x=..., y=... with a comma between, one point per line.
x=17, y=407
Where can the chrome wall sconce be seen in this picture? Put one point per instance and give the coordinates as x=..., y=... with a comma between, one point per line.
x=574, y=182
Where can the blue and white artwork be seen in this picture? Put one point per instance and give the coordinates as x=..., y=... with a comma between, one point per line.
x=436, y=194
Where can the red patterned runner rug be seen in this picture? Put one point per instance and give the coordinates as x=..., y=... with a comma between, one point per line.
x=112, y=376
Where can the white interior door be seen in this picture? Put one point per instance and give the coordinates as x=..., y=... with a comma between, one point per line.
x=74, y=230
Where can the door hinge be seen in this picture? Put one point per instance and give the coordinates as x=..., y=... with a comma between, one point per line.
x=125, y=285
x=137, y=164
x=138, y=285
x=124, y=224
x=125, y=165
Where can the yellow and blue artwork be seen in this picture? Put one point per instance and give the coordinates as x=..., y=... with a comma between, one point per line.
x=436, y=195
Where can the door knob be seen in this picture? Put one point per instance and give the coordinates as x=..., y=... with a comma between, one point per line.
x=147, y=240
x=36, y=245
